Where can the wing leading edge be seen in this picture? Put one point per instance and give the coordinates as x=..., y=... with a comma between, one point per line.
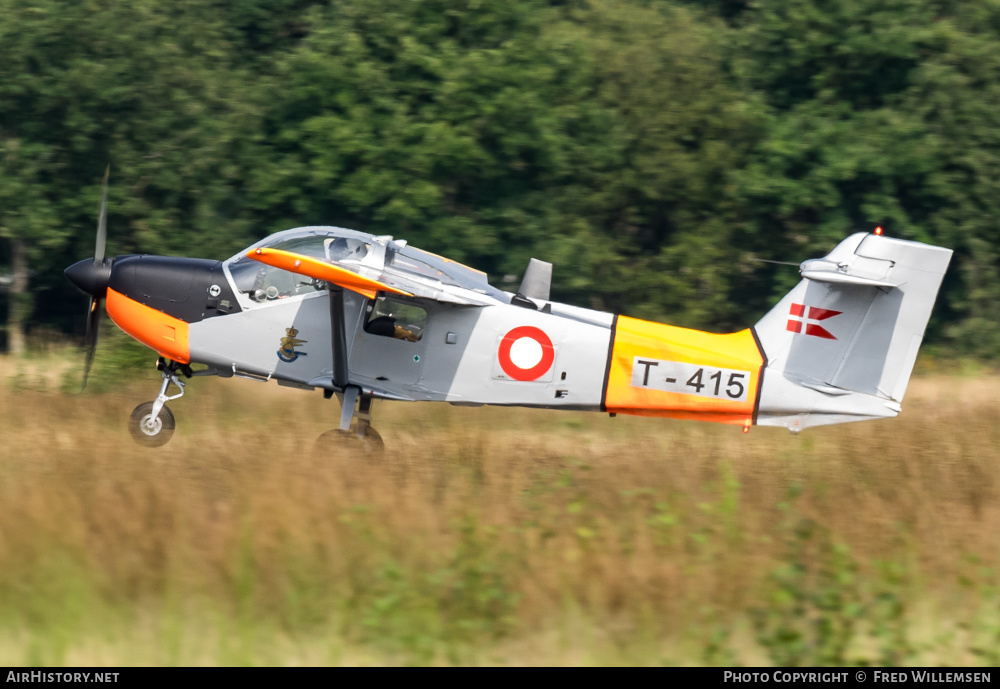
x=321, y=270
x=388, y=278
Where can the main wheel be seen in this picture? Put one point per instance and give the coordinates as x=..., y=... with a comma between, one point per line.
x=348, y=442
x=148, y=432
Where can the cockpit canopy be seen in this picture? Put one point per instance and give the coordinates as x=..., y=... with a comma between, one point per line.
x=355, y=251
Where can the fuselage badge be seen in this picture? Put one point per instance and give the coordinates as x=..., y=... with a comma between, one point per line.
x=287, y=352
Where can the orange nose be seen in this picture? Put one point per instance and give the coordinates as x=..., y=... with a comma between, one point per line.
x=167, y=335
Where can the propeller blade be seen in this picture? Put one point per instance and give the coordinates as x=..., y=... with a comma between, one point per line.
x=93, y=321
x=102, y=221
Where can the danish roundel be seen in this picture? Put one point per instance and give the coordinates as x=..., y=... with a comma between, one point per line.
x=526, y=353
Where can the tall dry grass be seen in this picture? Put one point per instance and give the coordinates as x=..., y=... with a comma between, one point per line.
x=494, y=535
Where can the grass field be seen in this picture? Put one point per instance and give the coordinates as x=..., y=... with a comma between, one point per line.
x=491, y=536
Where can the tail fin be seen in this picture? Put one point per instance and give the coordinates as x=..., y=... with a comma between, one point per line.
x=841, y=345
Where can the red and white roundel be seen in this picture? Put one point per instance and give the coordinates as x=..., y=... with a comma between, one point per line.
x=526, y=353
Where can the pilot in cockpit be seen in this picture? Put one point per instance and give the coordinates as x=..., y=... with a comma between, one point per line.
x=344, y=249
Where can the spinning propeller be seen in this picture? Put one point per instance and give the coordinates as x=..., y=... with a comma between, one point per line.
x=91, y=277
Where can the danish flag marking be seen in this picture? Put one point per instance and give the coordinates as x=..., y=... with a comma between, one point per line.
x=798, y=311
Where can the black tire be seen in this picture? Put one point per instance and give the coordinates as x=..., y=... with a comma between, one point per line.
x=338, y=442
x=159, y=433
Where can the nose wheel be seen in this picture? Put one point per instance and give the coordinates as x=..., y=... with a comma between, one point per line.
x=152, y=423
x=150, y=430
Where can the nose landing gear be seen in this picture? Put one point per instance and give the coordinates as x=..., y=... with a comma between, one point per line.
x=152, y=423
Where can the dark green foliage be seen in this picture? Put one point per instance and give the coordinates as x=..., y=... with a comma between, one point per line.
x=650, y=150
x=879, y=113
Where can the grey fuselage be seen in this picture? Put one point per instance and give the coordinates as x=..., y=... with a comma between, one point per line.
x=455, y=358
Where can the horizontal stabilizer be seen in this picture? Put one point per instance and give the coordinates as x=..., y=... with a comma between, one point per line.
x=824, y=276
x=321, y=270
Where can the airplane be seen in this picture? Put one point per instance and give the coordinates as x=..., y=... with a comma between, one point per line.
x=368, y=317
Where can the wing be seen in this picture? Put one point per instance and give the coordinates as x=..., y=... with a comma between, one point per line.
x=387, y=280
x=321, y=270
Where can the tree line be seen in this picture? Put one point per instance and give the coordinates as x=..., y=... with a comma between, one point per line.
x=653, y=150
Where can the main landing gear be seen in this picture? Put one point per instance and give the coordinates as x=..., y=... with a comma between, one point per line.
x=152, y=423
x=355, y=433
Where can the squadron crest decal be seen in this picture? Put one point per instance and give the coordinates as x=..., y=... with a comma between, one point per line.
x=287, y=352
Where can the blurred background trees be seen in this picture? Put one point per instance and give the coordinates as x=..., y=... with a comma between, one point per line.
x=652, y=150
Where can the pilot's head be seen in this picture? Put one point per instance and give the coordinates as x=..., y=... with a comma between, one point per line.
x=343, y=248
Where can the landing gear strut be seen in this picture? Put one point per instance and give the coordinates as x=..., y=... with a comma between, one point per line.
x=355, y=432
x=152, y=423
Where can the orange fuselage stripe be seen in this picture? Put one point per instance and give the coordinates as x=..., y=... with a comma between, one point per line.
x=167, y=335
x=321, y=270
x=689, y=351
